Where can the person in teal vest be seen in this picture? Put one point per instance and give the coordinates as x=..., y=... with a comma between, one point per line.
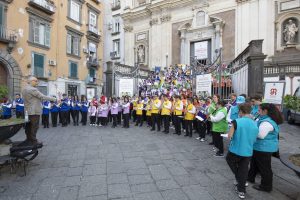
x=242, y=135
x=266, y=144
x=233, y=112
x=219, y=126
x=256, y=100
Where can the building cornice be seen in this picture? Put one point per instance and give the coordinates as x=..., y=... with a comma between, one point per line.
x=74, y=30
x=148, y=9
x=93, y=8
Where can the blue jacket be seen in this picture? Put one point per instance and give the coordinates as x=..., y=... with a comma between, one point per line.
x=76, y=106
x=244, y=137
x=46, y=108
x=202, y=113
x=65, y=105
x=7, y=109
x=270, y=142
x=20, y=105
x=84, y=106
x=54, y=108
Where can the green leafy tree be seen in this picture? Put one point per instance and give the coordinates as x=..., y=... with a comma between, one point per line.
x=292, y=102
x=3, y=92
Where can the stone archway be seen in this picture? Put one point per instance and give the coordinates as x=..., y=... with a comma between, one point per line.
x=13, y=73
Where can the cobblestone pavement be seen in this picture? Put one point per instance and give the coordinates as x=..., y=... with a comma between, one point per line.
x=136, y=164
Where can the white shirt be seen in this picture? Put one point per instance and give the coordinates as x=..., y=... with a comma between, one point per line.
x=180, y=106
x=219, y=116
x=193, y=111
x=264, y=128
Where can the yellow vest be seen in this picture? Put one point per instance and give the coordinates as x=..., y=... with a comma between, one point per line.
x=148, y=113
x=189, y=116
x=139, y=111
x=177, y=112
x=165, y=111
x=154, y=108
x=134, y=104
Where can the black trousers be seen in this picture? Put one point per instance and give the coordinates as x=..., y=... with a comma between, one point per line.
x=261, y=162
x=119, y=117
x=218, y=141
x=201, y=128
x=114, y=117
x=149, y=121
x=166, y=122
x=189, y=127
x=75, y=116
x=155, y=120
x=126, y=120
x=54, y=118
x=139, y=120
x=45, y=120
x=64, y=117
x=20, y=114
x=92, y=120
x=83, y=118
x=31, y=128
x=69, y=117
x=239, y=167
x=208, y=127
x=134, y=115
x=177, y=124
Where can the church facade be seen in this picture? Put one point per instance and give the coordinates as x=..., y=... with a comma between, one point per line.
x=160, y=33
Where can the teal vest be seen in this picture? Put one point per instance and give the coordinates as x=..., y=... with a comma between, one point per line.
x=234, y=112
x=221, y=126
x=270, y=142
x=254, y=111
x=244, y=137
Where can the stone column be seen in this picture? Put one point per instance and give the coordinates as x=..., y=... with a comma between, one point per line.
x=182, y=46
x=255, y=62
x=109, y=79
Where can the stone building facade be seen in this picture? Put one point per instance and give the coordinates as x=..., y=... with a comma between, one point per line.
x=164, y=32
x=58, y=41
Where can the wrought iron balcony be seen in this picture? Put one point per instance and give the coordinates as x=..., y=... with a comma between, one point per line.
x=114, y=55
x=94, y=30
x=116, y=5
x=93, y=62
x=44, y=5
x=8, y=36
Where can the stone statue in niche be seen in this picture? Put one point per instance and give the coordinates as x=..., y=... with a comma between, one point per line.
x=141, y=54
x=289, y=32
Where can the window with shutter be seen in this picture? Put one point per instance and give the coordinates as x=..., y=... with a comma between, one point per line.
x=38, y=65
x=47, y=36
x=93, y=19
x=74, y=11
x=76, y=46
x=73, y=70
x=69, y=43
x=92, y=73
x=36, y=32
x=1, y=16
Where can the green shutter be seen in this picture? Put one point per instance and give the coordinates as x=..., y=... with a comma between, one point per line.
x=92, y=73
x=73, y=70
x=1, y=15
x=38, y=65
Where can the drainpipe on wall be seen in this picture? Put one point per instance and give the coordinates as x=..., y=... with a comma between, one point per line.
x=291, y=78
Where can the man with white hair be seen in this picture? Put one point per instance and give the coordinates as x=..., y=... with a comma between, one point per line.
x=33, y=99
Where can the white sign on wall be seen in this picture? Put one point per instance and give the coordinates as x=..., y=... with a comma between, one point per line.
x=126, y=87
x=274, y=92
x=201, y=50
x=203, y=85
x=90, y=93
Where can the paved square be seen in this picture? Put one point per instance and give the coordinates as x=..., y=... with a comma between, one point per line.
x=96, y=163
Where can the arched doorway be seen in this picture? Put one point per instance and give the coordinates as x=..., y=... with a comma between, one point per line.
x=3, y=75
x=10, y=73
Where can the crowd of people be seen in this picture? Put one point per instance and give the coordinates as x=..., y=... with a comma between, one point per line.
x=252, y=126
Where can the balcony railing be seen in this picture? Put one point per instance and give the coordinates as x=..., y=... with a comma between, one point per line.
x=116, y=5
x=44, y=5
x=7, y=35
x=114, y=55
x=92, y=62
x=94, y=30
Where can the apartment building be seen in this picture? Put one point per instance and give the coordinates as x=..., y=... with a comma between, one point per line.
x=58, y=41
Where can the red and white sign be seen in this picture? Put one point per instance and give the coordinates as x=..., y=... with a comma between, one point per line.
x=201, y=50
x=274, y=92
